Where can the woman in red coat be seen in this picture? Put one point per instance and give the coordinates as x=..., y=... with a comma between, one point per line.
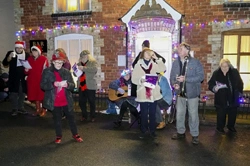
x=38, y=63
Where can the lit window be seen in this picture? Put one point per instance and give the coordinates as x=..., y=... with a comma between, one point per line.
x=72, y=5
x=236, y=48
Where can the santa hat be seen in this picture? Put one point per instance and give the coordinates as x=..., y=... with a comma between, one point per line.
x=19, y=44
x=59, y=56
x=38, y=48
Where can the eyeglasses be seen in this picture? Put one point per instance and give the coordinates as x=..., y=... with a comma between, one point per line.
x=58, y=63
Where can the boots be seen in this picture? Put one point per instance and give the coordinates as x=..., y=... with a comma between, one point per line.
x=43, y=111
x=161, y=125
x=37, y=109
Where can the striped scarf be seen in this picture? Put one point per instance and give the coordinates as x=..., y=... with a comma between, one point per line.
x=83, y=85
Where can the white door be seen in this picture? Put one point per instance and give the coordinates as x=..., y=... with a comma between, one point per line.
x=160, y=42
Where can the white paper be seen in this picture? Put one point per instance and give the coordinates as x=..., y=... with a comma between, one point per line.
x=77, y=72
x=121, y=60
x=220, y=85
x=25, y=64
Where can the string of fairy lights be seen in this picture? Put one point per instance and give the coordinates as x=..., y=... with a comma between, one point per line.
x=76, y=27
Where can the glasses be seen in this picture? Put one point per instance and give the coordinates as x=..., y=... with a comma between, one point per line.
x=58, y=63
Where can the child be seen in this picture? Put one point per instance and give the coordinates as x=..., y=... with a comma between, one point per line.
x=57, y=82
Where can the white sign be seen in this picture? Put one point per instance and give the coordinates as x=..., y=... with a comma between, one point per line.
x=121, y=60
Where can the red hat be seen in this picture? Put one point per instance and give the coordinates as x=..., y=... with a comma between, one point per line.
x=59, y=56
x=38, y=48
x=19, y=44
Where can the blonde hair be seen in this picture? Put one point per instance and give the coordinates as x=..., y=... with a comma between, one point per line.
x=144, y=51
x=227, y=61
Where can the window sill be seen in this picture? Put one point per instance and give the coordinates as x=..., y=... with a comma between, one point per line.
x=82, y=13
x=236, y=4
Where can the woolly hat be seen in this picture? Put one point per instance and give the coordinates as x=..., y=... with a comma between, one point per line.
x=84, y=52
x=58, y=56
x=38, y=48
x=187, y=46
x=19, y=44
x=146, y=43
x=125, y=72
x=5, y=75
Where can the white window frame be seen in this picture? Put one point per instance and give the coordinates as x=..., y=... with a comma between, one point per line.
x=56, y=11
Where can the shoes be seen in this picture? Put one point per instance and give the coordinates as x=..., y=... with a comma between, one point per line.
x=14, y=112
x=77, y=138
x=142, y=135
x=43, y=112
x=58, y=140
x=63, y=117
x=21, y=111
x=36, y=113
x=178, y=136
x=195, y=140
x=161, y=125
x=83, y=119
x=118, y=123
x=220, y=130
x=153, y=135
x=232, y=129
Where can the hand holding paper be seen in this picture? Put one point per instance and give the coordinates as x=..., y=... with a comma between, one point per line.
x=77, y=72
x=150, y=80
x=25, y=64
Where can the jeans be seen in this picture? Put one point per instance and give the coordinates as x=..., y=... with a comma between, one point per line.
x=84, y=96
x=57, y=117
x=191, y=105
x=3, y=95
x=148, y=113
x=158, y=115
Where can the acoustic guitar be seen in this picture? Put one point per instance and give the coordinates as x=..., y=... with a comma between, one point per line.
x=115, y=95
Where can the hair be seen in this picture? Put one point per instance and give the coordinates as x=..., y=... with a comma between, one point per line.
x=144, y=51
x=227, y=61
x=146, y=43
x=87, y=53
x=63, y=51
x=187, y=46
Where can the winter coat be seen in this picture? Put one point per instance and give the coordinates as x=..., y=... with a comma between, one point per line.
x=115, y=85
x=16, y=73
x=226, y=97
x=166, y=90
x=193, y=79
x=90, y=72
x=138, y=73
x=47, y=84
x=34, y=76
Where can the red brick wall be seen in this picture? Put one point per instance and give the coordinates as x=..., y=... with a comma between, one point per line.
x=195, y=11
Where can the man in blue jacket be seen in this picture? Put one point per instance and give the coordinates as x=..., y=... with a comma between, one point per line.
x=186, y=76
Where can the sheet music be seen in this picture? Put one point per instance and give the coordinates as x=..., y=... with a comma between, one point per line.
x=77, y=72
x=25, y=64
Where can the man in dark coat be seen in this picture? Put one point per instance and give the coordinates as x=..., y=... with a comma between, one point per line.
x=17, y=83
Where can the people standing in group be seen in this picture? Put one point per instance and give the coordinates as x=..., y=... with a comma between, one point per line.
x=87, y=84
x=186, y=76
x=227, y=85
x=148, y=63
x=58, y=84
x=35, y=94
x=124, y=103
x=4, y=86
x=66, y=64
x=17, y=82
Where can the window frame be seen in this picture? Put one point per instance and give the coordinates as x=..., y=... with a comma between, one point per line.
x=239, y=33
x=78, y=6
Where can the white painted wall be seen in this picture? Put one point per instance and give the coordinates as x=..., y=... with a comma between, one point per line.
x=7, y=28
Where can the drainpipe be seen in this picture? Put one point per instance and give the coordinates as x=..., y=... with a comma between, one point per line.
x=127, y=47
x=180, y=39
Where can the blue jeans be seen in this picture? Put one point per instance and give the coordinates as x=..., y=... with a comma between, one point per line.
x=148, y=113
x=3, y=95
x=191, y=105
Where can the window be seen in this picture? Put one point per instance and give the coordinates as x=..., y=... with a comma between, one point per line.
x=236, y=48
x=74, y=44
x=72, y=5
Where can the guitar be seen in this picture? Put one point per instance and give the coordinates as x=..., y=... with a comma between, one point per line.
x=115, y=95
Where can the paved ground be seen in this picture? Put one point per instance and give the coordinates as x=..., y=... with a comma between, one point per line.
x=28, y=141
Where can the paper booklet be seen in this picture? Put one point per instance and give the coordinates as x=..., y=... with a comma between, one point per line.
x=150, y=80
x=25, y=64
x=220, y=85
x=77, y=72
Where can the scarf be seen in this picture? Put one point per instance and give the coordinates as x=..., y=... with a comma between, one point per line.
x=83, y=85
x=147, y=71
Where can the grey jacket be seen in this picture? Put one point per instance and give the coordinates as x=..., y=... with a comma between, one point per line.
x=194, y=76
x=47, y=84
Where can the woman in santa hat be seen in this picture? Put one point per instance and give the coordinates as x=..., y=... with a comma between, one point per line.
x=38, y=63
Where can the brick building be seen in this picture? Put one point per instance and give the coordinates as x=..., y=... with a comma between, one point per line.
x=213, y=28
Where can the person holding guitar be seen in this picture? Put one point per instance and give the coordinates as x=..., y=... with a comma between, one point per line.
x=118, y=92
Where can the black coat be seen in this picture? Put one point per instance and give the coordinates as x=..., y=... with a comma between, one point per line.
x=16, y=74
x=226, y=97
x=47, y=84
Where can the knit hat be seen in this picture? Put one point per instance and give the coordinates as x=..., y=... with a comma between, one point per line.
x=5, y=75
x=146, y=43
x=38, y=48
x=19, y=44
x=58, y=56
x=125, y=72
x=84, y=52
